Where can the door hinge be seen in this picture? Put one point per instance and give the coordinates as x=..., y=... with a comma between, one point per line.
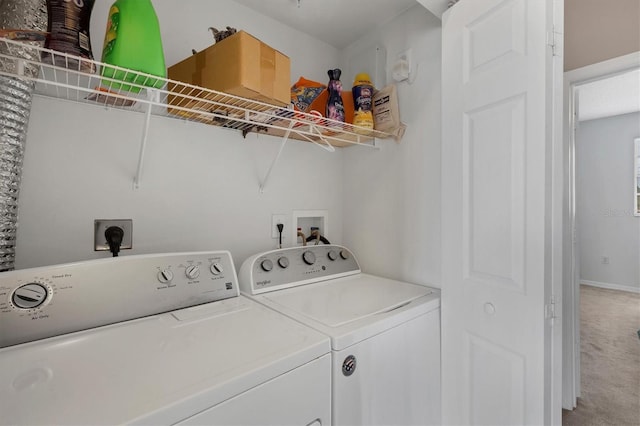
x=552, y=41
x=550, y=309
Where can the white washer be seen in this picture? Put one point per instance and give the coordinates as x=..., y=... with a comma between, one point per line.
x=385, y=334
x=182, y=346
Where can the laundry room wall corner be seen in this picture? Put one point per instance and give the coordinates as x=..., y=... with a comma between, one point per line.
x=392, y=196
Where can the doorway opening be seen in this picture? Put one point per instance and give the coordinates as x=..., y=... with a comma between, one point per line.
x=590, y=234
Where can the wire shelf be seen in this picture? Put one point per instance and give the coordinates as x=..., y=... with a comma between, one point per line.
x=63, y=76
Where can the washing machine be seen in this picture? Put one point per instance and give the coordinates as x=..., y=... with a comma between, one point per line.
x=154, y=339
x=385, y=334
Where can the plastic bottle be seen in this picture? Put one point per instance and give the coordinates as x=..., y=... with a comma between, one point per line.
x=362, y=101
x=68, y=27
x=335, y=106
x=132, y=40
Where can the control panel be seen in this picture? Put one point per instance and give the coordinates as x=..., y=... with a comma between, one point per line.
x=290, y=267
x=48, y=301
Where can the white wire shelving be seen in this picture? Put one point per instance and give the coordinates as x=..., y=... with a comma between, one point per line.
x=63, y=76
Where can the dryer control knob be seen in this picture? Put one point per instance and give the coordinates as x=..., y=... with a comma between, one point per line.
x=344, y=254
x=308, y=257
x=332, y=255
x=29, y=296
x=165, y=276
x=266, y=265
x=283, y=262
x=216, y=269
x=192, y=271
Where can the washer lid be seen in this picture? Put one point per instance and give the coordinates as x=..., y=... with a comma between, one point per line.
x=353, y=308
x=159, y=369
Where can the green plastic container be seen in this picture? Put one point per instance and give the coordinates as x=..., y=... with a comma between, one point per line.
x=132, y=40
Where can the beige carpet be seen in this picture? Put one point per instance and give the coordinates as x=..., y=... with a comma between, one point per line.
x=610, y=357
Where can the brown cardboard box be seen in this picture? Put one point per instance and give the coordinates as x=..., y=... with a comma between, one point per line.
x=240, y=65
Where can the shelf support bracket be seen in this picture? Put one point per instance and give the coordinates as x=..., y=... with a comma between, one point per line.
x=153, y=96
x=285, y=138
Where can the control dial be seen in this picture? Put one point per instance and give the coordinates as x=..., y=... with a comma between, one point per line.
x=165, y=276
x=192, y=271
x=309, y=257
x=283, y=262
x=29, y=296
x=344, y=254
x=266, y=265
x=216, y=269
x=332, y=255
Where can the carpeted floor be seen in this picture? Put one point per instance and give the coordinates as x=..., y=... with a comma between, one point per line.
x=610, y=358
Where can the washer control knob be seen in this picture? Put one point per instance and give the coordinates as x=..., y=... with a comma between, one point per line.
x=283, y=262
x=266, y=265
x=309, y=257
x=344, y=254
x=192, y=272
x=332, y=255
x=165, y=276
x=29, y=296
x=216, y=269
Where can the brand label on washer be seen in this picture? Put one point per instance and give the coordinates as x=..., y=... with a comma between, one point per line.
x=349, y=365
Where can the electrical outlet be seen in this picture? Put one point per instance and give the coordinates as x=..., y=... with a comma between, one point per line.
x=101, y=225
x=275, y=220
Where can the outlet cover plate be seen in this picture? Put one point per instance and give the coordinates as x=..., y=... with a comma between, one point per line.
x=101, y=225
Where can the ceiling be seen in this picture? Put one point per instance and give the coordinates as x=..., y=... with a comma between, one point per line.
x=336, y=22
x=619, y=94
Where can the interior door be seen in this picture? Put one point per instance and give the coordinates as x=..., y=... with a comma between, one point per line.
x=497, y=201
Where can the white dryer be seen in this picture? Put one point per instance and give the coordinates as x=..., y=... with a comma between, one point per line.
x=385, y=334
x=181, y=347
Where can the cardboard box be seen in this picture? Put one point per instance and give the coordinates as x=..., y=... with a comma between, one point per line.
x=240, y=65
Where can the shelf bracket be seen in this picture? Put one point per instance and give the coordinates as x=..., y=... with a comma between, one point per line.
x=153, y=96
x=285, y=138
x=327, y=146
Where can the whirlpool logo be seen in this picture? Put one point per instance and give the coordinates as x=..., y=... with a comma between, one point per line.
x=263, y=283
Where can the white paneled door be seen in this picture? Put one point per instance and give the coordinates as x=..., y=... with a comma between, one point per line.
x=497, y=172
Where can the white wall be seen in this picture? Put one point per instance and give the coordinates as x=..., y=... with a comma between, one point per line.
x=606, y=224
x=392, y=196
x=199, y=185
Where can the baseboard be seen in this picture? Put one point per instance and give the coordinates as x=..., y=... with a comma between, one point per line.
x=609, y=286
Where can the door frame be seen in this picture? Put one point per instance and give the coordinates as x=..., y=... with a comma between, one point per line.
x=571, y=292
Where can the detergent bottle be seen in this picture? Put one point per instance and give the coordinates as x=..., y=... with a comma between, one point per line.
x=68, y=27
x=335, y=106
x=132, y=40
x=362, y=101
